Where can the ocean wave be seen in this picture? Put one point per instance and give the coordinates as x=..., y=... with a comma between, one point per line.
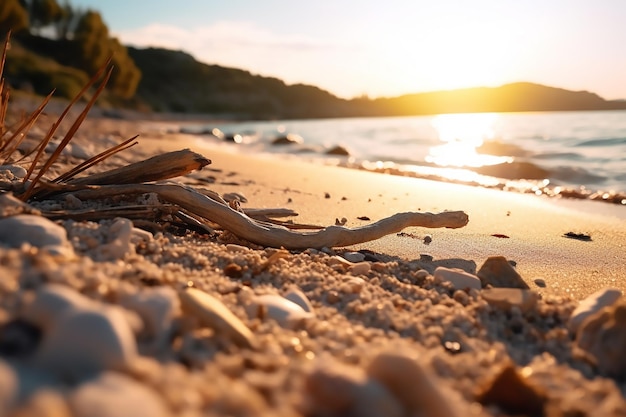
x=602, y=142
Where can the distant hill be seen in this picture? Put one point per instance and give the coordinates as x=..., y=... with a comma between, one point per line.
x=175, y=81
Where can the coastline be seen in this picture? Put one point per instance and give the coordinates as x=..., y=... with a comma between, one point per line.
x=535, y=226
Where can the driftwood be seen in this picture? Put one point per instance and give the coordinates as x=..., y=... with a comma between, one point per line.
x=267, y=234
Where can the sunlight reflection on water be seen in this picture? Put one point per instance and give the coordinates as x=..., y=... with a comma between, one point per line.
x=461, y=134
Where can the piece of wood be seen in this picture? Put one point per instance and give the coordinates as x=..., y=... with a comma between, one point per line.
x=277, y=236
x=157, y=168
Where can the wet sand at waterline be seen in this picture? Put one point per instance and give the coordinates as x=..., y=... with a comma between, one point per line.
x=129, y=318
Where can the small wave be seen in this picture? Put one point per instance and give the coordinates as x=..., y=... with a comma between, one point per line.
x=498, y=148
x=572, y=156
x=602, y=142
x=576, y=175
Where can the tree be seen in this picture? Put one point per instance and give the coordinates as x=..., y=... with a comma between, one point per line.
x=13, y=17
x=43, y=12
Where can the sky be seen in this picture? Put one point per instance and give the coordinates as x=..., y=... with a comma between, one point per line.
x=388, y=48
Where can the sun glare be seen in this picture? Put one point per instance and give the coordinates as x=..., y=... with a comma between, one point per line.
x=461, y=134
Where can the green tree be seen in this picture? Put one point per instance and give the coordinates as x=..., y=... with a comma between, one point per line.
x=43, y=12
x=13, y=17
x=94, y=46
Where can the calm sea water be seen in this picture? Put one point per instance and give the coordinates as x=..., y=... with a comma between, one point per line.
x=571, y=153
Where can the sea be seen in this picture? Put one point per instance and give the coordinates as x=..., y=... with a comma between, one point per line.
x=579, y=154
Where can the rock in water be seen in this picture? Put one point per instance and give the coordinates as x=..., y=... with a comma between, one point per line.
x=213, y=313
x=601, y=338
x=36, y=231
x=591, y=305
x=498, y=272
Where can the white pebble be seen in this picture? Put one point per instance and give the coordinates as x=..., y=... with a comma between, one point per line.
x=459, y=279
x=287, y=313
x=36, y=231
x=156, y=307
x=119, y=244
x=50, y=301
x=115, y=395
x=360, y=268
x=296, y=295
x=506, y=298
x=15, y=170
x=84, y=341
x=592, y=304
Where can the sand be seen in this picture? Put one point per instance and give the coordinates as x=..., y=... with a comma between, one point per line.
x=112, y=327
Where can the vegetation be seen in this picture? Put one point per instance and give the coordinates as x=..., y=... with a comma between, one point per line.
x=57, y=46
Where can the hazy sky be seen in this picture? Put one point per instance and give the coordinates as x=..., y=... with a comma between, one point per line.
x=391, y=47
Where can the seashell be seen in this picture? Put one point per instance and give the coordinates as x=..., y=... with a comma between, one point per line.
x=459, y=279
x=286, y=313
x=591, y=305
x=213, y=313
x=36, y=231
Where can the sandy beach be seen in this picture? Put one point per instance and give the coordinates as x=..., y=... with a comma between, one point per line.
x=191, y=323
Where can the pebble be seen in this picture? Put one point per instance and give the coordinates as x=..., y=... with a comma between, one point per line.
x=540, y=282
x=337, y=389
x=115, y=395
x=354, y=256
x=603, y=337
x=213, y=313
x=459, y=279
x=45, y=402
x=120, y=241
x=36, y=231
x=287, y=313
x=591, y=305
x=9, y=386
x=157, y=307
x=50, y=301
x=511, y=391
x=15, y=170
x=296, y=295
x=428, y=239
x=498, y=272
x=338, y=150
x=411, y=384
x=506, y=298
x=83, y=341
x=360, y=268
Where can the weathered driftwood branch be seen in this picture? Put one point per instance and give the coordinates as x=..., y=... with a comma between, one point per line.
x=277, y=236
x=160, y=167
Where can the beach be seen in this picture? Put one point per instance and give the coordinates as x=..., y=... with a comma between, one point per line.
x=371, y=329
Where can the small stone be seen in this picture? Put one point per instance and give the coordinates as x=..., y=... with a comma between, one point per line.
x=354, y=256
x=116, y=395
x=459, y=279
x=85, y=341
x=9, y=386
x=353, y=285
x=296, y=295
x=15, y=170
x=591, y=305
x=157, y=308
x=498, y=272
x=119, y=244
x=428, y=239
x=338, y=150
x=540, y=282
x=505, y=298
x=287, y=313
x=288, y=139
x=36, y=231
x=412, y=384
x=360, y=268
x=213, y=313
x=44, y=403
x=337, y=389
x=50, y=301
x=602, y=337
x=512, y=392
